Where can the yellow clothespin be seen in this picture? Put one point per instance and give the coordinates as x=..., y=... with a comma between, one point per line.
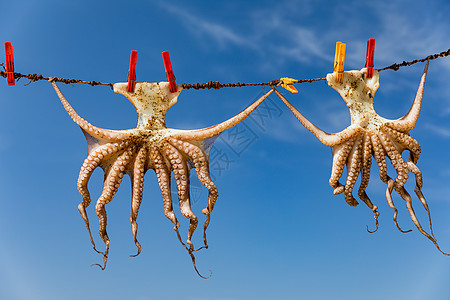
x=287, y=83
x=339, y=59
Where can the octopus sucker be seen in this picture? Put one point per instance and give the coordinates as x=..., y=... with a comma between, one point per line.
x=201, y=165
x=340, y=156
x=353, y=170
x=417, y=189
x=404, y=141
x=163, y=176
x=110, y=187
x=372, y=135
x=181, y=174
x=396, y=160
x=365, y=177
x=151, y=145
x=137, y=183
x=379, y=154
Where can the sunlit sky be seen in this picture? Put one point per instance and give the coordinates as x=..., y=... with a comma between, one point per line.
x=277, y=231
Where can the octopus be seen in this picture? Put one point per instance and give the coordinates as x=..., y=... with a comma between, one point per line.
x=151, y=145
x=372, y=135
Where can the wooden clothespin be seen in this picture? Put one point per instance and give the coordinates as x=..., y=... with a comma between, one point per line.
x=132, y=72
x=169, y=72
x=369, y=57
x=287, y=83
x=339, y=59
x=9, y=63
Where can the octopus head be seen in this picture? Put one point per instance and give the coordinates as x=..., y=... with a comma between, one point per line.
x=355, y=87
x=152, y=101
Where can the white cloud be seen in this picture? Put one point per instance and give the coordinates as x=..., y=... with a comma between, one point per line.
x=443, y=132
x=305, y=46
x=409, y=33
x=222, y=35
x=288, y=32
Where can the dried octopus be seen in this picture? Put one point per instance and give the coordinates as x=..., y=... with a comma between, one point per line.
x=372, y=135
x=151, y=145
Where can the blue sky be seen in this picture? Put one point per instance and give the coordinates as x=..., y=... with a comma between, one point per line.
x=277, y=231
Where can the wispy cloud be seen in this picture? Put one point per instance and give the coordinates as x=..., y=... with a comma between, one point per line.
x=292, y=43
x=222, y=35
x=443, y=132
x=410, y=34
x=286, y=33
x=305, y=45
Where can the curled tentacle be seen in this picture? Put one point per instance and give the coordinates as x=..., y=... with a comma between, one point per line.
x=402, y=141
x=379, y=154
x=340, y=156
x=402, y=167
x=200, y=160
x=190, y=251
x=113, y=178
x=365, y=176
x=405, y=141
x=163, y=175
x=417, y=189
x=405, y=196
x=353, y=169
x=181, y=174
x=195, y=267
x=389, y=189
x=396, y=160
x=137, y=179
x=93, y=160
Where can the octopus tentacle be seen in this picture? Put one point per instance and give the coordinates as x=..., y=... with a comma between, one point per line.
x=379, y=154
x=93, y=160
x=353, y=169
x=325, y=138
x=137, y=179
x=163, y=176
x=111, y=184
x=396, y=160
x=408, y=121
x=181, y=174
x=365, y=176
x=416, y=171
x=340, y=156
x=405, y=141
x=99, y=133
x=400, y=163
x=200, y=160
x=405, y=195
x=205, y=133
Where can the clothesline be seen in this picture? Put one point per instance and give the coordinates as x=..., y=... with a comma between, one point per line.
x=216, y=84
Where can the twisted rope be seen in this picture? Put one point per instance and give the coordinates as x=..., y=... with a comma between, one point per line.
x=216, y=84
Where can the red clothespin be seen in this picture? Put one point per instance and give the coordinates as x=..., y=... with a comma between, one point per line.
x=169, y=71
x=132, y=72
x=369, y=57
x=9, y=63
